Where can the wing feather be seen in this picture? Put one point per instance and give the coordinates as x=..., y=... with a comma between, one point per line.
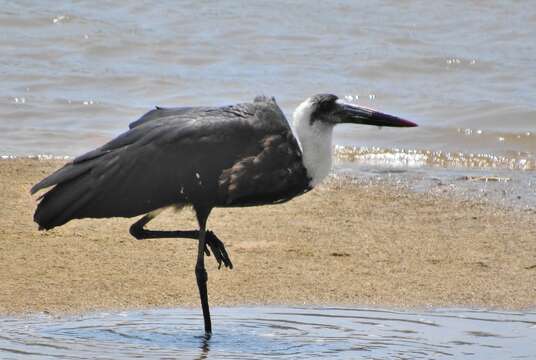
x=168, y=156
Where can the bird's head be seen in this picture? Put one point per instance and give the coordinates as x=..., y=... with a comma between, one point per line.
x=314, y=120
x=326, y=110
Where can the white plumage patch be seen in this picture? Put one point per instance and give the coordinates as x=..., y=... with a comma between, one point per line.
x=315, y=140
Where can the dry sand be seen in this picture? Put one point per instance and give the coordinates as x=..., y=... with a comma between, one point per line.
x=339, y=244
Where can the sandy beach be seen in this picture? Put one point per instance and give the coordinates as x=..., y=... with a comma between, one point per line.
x=341, y=244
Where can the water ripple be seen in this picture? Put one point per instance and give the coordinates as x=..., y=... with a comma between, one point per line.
x=263, y=332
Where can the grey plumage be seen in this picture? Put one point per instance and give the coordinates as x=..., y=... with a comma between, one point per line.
x=237, y=155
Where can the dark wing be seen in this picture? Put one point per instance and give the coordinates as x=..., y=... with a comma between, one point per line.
x=274, y=174
x=160, y=112
x=273, y=171
x=172, y=156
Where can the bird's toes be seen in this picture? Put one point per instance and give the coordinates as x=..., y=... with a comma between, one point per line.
x=226, y=260
x=218, y=256
x=218, y=249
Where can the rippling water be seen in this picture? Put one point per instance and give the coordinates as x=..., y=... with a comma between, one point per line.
x=74, y=74
x=285, y=333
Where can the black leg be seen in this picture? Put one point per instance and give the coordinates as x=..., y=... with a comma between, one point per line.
x=216, y=245
x=202, y=278
x=200, y=271
x=139, y=232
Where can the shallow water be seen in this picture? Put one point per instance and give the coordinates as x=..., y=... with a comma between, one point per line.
x=497, y=180
x=274, y=332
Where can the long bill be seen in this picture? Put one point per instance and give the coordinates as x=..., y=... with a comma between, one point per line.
x=349, y=113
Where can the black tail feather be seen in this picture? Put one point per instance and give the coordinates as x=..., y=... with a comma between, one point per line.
x=66, y=173
x=60, y=204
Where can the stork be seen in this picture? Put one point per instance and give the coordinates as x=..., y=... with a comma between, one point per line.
x=205, y=157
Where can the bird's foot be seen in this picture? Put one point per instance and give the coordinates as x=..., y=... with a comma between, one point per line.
x=218, y=250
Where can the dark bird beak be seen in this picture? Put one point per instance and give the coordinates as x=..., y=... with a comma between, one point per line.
x=348, y=113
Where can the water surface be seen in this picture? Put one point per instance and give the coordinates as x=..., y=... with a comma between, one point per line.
x=75, y=74
x=266, y=333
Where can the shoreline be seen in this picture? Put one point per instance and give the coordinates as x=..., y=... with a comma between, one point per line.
x=340, y=245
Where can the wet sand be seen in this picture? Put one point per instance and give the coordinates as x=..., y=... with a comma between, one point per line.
x=341, y=244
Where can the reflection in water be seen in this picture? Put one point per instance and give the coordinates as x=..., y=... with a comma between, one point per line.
x=263, y=332
x=205, y=347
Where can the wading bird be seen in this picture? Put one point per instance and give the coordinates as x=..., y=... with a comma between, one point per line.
x=240, y=155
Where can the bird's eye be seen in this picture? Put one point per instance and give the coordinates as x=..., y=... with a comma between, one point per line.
x=325, y=102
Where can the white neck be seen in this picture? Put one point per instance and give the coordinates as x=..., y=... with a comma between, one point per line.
x=315, y=140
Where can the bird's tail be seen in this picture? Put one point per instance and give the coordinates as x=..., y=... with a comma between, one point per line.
x=72, y=191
